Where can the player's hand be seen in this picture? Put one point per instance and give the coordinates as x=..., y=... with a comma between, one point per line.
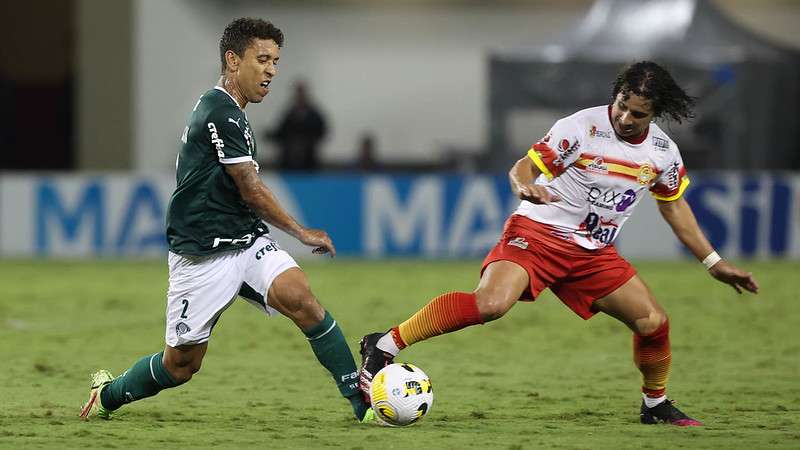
x=538, y=194
x=318, y=239
x=737, y=278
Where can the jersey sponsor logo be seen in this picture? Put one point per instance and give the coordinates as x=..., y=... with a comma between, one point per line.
x=567, y=149
x=611, y=199
x=660, y=143
x=246, y=239
x=599, y=229
x=594, y=132
x=597, y=166
x=627, y=200
x=219, y=144
x=235, y=122
x=519, y=242
x=673, y=176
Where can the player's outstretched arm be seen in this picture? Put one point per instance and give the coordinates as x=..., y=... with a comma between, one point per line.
x=264, y=203
x=521, y=176
x=680, y=217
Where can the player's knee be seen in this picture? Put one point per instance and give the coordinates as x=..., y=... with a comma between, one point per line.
x=492, y=304
x=183, y=370
x=646, y=326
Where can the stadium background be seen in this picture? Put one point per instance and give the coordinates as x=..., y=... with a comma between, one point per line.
x=97, y=93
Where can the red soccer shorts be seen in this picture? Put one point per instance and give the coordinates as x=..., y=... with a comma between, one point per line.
x=576, y=275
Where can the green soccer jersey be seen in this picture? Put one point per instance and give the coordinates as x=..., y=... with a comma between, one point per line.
x=206, y=213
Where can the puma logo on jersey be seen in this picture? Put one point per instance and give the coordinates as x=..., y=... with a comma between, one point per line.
x=235, y=121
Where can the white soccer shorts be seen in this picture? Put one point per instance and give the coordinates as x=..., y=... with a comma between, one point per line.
x=202, y=287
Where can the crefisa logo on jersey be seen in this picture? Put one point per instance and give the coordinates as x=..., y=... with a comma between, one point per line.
x=215, y=139
x=597, y=166
x=594, y=132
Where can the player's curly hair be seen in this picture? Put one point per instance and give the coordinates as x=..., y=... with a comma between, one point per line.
x=239, y=33
x=651, y=81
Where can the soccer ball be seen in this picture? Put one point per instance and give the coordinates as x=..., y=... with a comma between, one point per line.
x=401, y=394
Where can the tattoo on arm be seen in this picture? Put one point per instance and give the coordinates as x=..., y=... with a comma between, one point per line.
x=260, y=199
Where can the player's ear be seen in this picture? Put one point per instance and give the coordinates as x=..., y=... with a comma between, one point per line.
x=232, y=60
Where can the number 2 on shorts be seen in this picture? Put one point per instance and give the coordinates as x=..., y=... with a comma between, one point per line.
x=185, y=307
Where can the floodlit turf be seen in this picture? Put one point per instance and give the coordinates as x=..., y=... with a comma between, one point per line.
x=538, y=378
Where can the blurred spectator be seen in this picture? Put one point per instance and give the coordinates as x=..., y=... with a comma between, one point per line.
x=300, y=131
x=366, y=160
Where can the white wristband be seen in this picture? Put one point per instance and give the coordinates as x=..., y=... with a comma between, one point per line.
x=711, y=259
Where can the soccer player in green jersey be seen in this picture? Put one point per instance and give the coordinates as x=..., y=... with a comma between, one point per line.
x=219, y=244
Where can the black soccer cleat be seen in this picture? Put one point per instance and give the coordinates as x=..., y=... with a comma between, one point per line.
x=373, y=360
x=666, y=412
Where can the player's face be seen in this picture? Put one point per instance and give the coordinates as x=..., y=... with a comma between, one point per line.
x=631, y=114
x=258, y=66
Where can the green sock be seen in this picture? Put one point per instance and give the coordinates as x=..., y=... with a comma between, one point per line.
x=331, y=350
x=146, y=378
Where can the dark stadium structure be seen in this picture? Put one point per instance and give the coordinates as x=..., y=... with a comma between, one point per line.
x=737, y=126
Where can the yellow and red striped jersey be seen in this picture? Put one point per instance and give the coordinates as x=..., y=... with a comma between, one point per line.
x=600, y=176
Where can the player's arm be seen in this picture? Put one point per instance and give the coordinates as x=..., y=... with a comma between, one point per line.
x=522, y=175
x=264, y=203
x=680, y=217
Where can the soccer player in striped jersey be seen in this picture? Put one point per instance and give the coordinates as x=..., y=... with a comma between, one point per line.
x=578, y=186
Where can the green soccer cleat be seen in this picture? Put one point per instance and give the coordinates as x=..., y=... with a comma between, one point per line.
x=369, y=417
x=100, y=379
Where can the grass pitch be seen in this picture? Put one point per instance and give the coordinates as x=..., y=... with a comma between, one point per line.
x=538, y=378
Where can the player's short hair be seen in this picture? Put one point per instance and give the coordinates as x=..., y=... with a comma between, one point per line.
x=651, y=81
x=241, y=32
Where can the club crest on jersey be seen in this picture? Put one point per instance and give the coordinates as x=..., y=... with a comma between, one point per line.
x=646, y=174
x=594, y=132
x=519, y=242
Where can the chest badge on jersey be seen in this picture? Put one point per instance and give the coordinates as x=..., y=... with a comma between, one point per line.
x=646, y=174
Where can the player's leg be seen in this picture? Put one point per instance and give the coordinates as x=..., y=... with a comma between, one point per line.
x=291, y=295
x=147, y=377
x=200, y=289
x=635, y=305
x=501, y=285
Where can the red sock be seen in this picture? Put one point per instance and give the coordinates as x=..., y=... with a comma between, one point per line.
x=444, y=314
x=652, y=356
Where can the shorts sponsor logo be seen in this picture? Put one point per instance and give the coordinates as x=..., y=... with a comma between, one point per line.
x=597, y=166
x=594, y=132
x=519, y=242
x=181, y=328
x=271, y=247
x=660, y=143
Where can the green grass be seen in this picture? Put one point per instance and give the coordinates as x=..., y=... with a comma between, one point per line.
x=538, y=378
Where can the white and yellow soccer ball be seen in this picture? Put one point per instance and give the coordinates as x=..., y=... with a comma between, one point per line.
x=401, y=394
